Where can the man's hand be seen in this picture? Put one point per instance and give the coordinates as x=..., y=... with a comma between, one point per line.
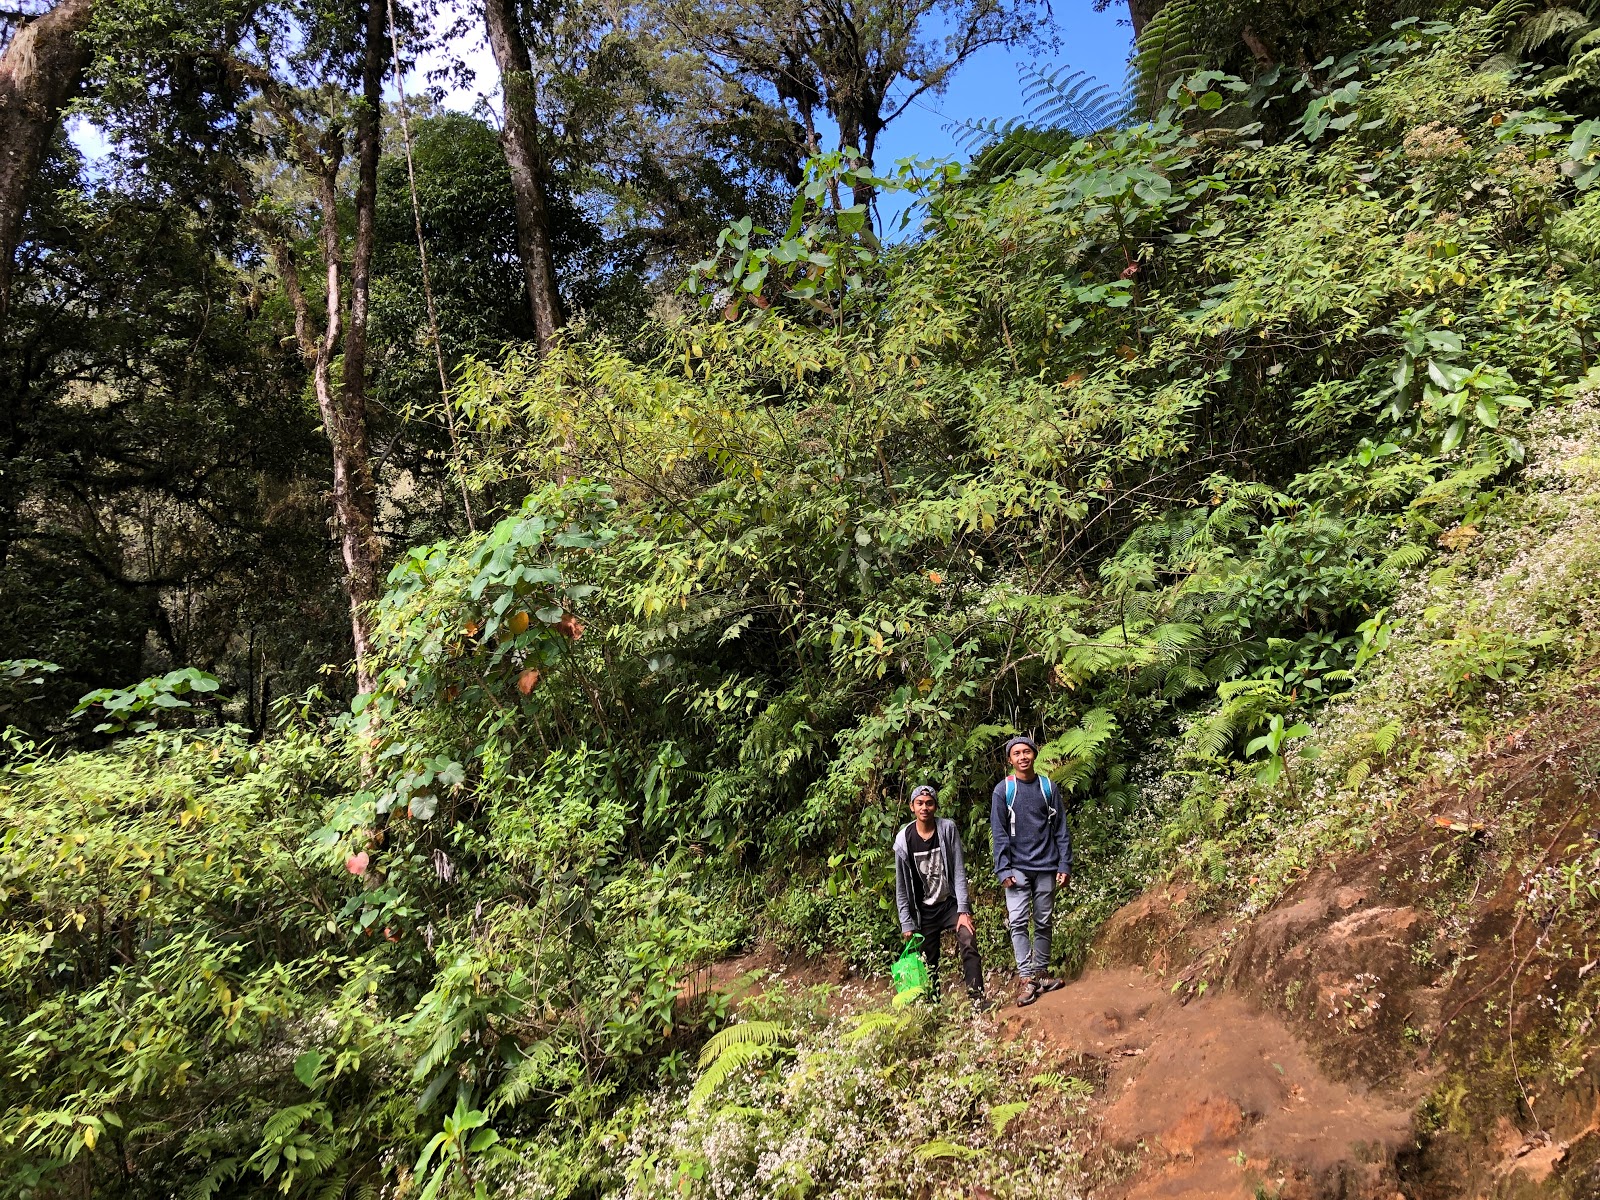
x=906, y=934
x=1063, y=878
x=964, y=921
x=1009, y=881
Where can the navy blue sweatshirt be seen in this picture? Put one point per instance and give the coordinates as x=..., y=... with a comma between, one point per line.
x=1033, y=835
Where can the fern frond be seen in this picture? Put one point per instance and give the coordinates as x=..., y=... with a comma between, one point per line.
x=1002, y=1115
x=761, y=1033
x=1404, y=558
x=877, y=1021
x=1164, y=54
x=1070, y=1086
x=1070, y=760
x=1357, y=774
x=1509, y=14
x=1075, y=101
x=1383, y=739
x=908, y=997
x=728, y=1064
x=222, y=1171
x=1553, y=25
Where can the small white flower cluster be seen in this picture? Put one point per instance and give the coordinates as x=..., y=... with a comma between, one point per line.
x=885, y=1115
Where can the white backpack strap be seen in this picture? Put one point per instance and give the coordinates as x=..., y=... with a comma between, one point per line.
x=1011, y=802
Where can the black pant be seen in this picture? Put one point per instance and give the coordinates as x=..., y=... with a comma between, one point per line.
x=966, y=945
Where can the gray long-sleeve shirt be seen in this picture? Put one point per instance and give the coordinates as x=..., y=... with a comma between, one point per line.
x=1032, y=836
x=908, y=883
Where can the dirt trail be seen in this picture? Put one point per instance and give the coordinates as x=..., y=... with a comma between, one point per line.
x=1225, y=1099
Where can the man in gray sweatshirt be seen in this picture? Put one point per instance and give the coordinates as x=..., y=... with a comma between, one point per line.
x=930, y=888
x=1032, y=857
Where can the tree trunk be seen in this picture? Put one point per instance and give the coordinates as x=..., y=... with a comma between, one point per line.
x=1140, y=12
x=39, y=72
x=342, y=406
x=520, y=139
x=368, y=145
x=355, y=504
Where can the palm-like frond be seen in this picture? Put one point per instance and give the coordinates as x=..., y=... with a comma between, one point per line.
x=1554, y=26
x=1002, y=1115
x=1164, y=53
x=729, y=1063
x=877, y=1021
x=1073, y=100
x=759, y=1033
x=1063, y=106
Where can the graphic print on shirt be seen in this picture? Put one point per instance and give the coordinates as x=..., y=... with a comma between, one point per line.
x=930, y=867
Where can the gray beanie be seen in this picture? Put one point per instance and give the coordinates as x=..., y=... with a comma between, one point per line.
x=925, y=787
x=1020, y=741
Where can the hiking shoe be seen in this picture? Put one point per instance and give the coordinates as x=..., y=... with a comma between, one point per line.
x=1048, y=983
x=1027, y=992
x=981, y=1003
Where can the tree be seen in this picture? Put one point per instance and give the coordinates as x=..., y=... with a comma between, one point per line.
x=40, y=70
x=525, y=157
x=844, y=59
x=359, y=49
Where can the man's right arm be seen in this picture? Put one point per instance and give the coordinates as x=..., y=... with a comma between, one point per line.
x=902, y=894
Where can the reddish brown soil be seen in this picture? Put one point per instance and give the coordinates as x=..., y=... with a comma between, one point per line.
x=749, y=975
x=1223, y=1098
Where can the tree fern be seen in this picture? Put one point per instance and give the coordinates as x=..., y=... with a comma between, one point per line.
x=1063, y=107
x=1075, y=101
x=1164, y=53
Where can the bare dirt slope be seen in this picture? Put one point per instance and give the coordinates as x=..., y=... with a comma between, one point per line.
x=1222, y=1096
x=1412, y=1020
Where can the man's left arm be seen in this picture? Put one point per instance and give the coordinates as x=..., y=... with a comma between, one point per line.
x=1063, y=844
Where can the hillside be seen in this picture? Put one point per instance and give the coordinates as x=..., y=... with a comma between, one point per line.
x=1244, y=454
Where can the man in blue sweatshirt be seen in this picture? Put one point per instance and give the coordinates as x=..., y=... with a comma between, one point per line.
x=1033, y=858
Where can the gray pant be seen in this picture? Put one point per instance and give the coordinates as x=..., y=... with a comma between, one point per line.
x=1033, y=899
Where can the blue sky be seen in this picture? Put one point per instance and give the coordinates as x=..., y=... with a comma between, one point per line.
x=989, y=86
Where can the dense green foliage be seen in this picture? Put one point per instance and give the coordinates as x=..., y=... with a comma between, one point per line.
x=1140, y=448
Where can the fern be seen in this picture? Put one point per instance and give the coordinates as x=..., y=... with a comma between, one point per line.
x=1063, y=107
x=1002, y=1115
x=222, y=1171
x=877, y=1021
x=908, y=997
x=1164, y=54
x=1383, y=739
x=728, y=1064
x=1357, y=774
x=760, y=1033
x=1070, y=1086
x=1077, y=101
x=743, y=1111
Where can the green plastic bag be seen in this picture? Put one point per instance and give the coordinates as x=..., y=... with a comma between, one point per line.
x=910, y=971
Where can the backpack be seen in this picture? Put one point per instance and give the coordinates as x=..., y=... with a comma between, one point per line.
x=1011, y=798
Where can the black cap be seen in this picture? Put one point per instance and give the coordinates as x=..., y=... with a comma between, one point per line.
x=925, y=787
x=1020, y=741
